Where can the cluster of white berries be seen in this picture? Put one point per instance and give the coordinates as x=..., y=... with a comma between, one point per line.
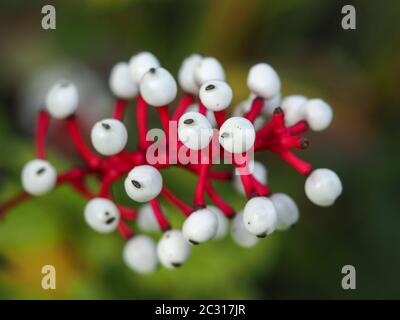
x=205, y=78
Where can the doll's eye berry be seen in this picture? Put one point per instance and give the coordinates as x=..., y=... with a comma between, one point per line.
x=262, y=122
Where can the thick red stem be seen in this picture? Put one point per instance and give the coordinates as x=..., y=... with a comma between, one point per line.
x=183, y=104
x=255, y=109
x=119, y=109
x=42, y=128
x=162, y=221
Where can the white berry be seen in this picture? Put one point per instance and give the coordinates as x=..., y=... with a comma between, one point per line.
x=140, y=254
x=240, y=234
x=318, y=114
x=143, y=183
x=186, y=72
x=173, y=250
x=200, y=226
x=194, y=130
x=259, y=173
x=263, y=81
x=323, y=187
x=158, y=87
x=259, y=216
x=140, y=63
x=102, y=215
x=216, y=95
x=121, y=82
x=207, y=69
x=109, y=136
x=222, y=222
x=293, y=107
x=62, y=99
x=38, y=177
x=146, y=219
x=237, y=135
x=286, y=209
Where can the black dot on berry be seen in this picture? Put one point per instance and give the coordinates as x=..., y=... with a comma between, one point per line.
x=106, y=126
x=152, y=70
x=136, y=184
x=40, y=171
x=210, y=87
x=188, y=121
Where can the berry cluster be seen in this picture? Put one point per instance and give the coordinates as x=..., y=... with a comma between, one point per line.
x=262, y=122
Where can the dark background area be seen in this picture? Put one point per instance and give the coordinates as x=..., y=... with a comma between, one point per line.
x=356, y=71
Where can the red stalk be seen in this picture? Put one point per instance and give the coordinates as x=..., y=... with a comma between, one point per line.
x=43, y=122
x=220, y=117
x=218, y=201
x=164, y=118
x=141, y=115
x=180, y=204
x=92, y=159
x=255, y=109
x=162, y=221
x=183, y=104
x=119, y=109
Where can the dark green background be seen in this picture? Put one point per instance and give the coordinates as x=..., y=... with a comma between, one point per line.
x=356, y=71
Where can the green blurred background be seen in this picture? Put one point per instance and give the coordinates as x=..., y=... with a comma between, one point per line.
x=356, y=71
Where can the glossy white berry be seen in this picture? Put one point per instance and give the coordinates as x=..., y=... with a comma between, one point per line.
x=143, y=183
x=158, y=87
x=237, y=135
x=259, y=173
x=323, y=187
x=140, y=254
x=240, y=234
x=194, y=107
x=173, y=250
x=259, y=216
x=286, y=209
x=216, y=95
x=222, y=222
x=109, y=136
x=186, y=72
x=140, y=63
x=102, y=215
x=271, y=104
x=207, y=69
x=263, y=81
x=38, y=177
x=200, y=226
x=194, y=130
x=244, y=106
x=146, y=219
x=293, y=107
x=62, y=99
x=121, y=82
x=318, y=114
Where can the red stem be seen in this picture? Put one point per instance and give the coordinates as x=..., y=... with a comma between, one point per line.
x=124, y=230
x=164, y=118
x=301, y=166
x=299, y=127
x=119, y=109
x=199, y=199
x=220, y=117
x=42, y=128
x=180, y=204
x=183, y=104
x=14, y=201
x=92, y=159
x=218, y=201
x=162, y=221
x=255, y=109
x=141, y=115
